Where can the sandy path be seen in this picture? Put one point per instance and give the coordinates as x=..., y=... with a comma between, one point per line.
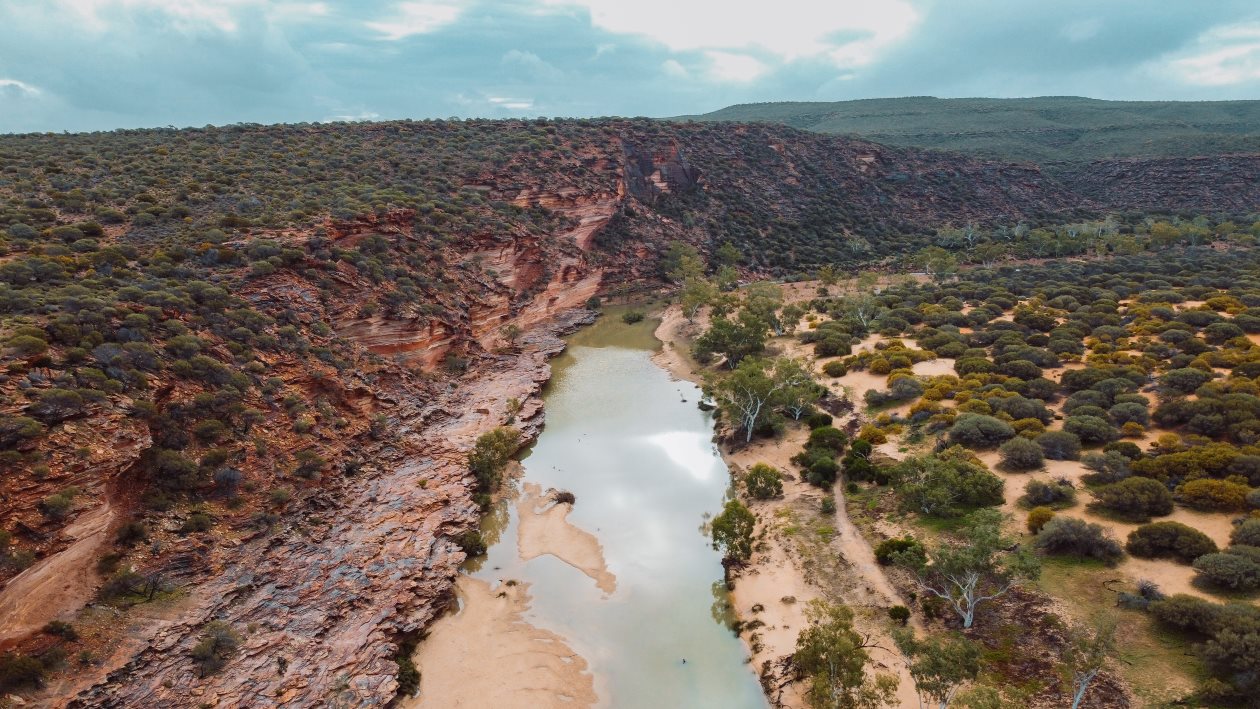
x=489, y=646
x=544, y=528
x=58, y=584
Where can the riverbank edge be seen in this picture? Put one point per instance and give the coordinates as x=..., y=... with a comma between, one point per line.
x=531, y=421
x=774, y=569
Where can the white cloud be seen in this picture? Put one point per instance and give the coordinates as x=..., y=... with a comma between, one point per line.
x=728, y=66
x=186, y=16
x=673, y=69
x=512, y=104
x=1222, y=56
x=13, y=87
x=849, y=32
x=353, y=117
x=412, y=18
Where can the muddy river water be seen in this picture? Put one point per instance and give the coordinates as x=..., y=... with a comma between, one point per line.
x=633, y=447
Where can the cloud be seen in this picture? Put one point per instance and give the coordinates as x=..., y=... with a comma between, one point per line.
x=673, y=69
x=185, y=16
x=728, y=66
x=412, y=18
x=850, y=32
x=530, y=64
x=1222, y=56
x=13, y=88
x=511, y=104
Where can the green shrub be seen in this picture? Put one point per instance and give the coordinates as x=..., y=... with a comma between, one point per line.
x=1076, y=537
x=835, y=368
x=1021, y=454
x=1172, y=540
x=1215, y=495
x=827, y=437
x=1060, y=445
x=217, y=645
x=1057, y=494
x=887, y=551
x=1233, y=569
x=1135, y=498
x=979, y=431
x=631, y=317
x=1247, y=533
x=763, y=482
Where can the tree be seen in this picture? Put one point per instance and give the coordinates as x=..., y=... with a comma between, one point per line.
x=697, y=292
x=733, y=531
x=976, y=568
x=828, y=275
x=939, y=666
x=833, y=657
x=936, y=262
x=490, y=454
x=946, y=484
x=681, y=261
x=734, y=340
x=749, y=394
x=728, y=255
x=764, y=299
x=797, y=390
x=1085, y=656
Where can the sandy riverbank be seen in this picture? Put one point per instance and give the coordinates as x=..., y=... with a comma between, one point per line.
x=488, y=646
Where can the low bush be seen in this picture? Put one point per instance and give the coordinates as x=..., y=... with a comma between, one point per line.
x=763, y=482
x=980, y=431
x=1038, y=517
x=889, y=549
x=1076, y=537
x=1021, y=454
x=1136, y=499
x=1059, y=445
x=217, y=645
x=1237, y=568
x=1172, y=540
x=1247, y=533
x=1056, y=494
x=1213, y=495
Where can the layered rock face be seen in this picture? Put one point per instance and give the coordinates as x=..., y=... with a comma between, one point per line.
x=325, y=597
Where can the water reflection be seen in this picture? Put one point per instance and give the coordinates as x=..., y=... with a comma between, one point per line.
x=633, y=447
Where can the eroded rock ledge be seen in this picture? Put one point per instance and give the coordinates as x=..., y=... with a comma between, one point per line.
x=321, y=601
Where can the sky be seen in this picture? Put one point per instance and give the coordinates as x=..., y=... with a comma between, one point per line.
x=82, y=65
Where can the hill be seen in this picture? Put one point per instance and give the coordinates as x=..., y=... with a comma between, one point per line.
x=1044, y=129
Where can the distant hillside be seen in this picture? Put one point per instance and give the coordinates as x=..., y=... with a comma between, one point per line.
x=1046, y=129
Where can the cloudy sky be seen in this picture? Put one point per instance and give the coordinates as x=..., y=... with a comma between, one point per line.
x=101, y=64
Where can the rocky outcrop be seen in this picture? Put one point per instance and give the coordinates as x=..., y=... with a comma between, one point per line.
x=321, y=601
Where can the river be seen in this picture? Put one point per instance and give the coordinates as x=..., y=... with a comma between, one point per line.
x=634, y=448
